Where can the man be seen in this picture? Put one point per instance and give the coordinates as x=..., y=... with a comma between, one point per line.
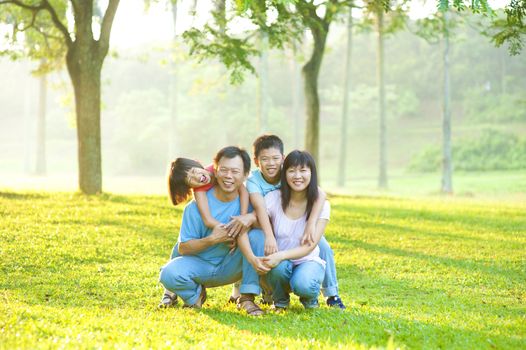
x=205, y=259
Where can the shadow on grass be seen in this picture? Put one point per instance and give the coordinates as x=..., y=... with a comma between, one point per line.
x=468, y=265
x=365, y=328
x=473, y=220
x=21, y=196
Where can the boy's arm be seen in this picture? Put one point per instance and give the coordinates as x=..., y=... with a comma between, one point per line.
x=310, y=227
x=244, y=245
x=204, y=210
x=258, y=202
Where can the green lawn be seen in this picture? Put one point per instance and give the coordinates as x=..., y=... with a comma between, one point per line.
x=81, y=272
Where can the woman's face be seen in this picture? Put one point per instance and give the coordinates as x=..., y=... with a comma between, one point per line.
x=197, y=177
x=298, y=177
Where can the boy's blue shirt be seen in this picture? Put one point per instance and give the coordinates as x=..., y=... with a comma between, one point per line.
x=256, y=183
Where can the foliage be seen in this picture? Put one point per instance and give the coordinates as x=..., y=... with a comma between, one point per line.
x=34, y=36
x=511, y=29
x=493, y=107
x=81, y=272
x=493, y=150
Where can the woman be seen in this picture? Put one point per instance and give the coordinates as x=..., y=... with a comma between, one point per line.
x=295, y=267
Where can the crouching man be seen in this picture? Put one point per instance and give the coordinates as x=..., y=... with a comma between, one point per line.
x=205, y=259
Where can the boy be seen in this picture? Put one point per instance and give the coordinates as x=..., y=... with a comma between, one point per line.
x=268, y=157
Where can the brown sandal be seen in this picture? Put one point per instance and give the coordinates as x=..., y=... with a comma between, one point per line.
x=247, y=303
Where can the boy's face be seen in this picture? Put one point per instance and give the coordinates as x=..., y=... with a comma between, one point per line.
x=269, y=161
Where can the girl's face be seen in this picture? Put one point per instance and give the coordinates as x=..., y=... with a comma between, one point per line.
x=298, y=177
x=197, y=177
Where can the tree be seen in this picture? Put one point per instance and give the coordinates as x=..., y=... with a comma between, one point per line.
x=85, y=56
x=345, y=105
x=291, y=20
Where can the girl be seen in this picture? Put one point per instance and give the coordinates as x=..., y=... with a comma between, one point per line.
x=296, y=266
x=184, y=177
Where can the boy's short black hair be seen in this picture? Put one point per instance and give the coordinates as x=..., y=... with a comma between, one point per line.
x=265, y=142
x=231, y=152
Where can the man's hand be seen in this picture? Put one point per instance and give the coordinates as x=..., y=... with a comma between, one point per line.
x=272, y=260
x=308, y=234
x=220, y=234
x=270, y=245
x=260, y=267
x=238, y=224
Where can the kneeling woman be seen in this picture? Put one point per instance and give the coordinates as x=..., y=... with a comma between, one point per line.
x=297, y=266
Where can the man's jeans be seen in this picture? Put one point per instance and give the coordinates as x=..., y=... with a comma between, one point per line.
x=304, y=280
x=330, y=282
x=185, y=275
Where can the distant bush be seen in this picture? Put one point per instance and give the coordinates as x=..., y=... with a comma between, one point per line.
x=493, y=150
x=479, y=107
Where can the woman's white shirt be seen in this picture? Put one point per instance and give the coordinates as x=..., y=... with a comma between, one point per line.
x=289, y=232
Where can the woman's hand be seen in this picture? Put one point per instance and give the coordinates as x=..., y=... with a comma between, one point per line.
x=308, y=234
x=270, y=245
x=260, y=267
x=272, y=260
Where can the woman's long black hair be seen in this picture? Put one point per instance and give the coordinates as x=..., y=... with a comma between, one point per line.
x=293, y=159
x=178, y=190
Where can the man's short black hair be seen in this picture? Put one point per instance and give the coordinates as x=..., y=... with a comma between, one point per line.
x=265, y=142
x=231, y=152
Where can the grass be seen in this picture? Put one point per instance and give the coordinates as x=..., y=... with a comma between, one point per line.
x=81, y=272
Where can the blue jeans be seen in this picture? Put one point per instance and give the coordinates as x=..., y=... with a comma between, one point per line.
x=186, y=275
x=304, y=280
x=330, y=282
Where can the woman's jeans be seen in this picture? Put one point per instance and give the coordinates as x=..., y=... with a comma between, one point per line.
x=304, y=280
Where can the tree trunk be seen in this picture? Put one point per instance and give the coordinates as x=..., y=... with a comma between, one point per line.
x=311, y=72
x=345, y=110
x=40, y=168
x=382, y=177
x=296, y=97
x=447, y=167
x=172, y=92
x=84, y=68
x=262, y=91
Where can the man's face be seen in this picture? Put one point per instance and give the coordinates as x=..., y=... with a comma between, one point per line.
x=229, y=173
x=269, y=161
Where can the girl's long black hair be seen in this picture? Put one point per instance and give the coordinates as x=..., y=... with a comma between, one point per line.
x=178, y=190
x=293, y=159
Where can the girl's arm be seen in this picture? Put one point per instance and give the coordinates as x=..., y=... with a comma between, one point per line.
x=243, y=199
x=258, y=202
x=310, y=227
x=204, y=210
x=298, y=252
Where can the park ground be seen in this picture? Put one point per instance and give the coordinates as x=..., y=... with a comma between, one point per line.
x=415, y=272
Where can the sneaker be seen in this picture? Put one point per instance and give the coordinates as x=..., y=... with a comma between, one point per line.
x=278, y=309
x=335, y=301
x=169, y=300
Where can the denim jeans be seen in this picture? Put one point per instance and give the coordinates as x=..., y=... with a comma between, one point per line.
x=304, y=280
x=186, y=275
x=330, y=281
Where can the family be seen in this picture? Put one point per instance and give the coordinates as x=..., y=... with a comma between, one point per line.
x=265, y=237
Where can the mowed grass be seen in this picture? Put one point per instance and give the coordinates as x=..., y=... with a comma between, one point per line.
x=81, y=272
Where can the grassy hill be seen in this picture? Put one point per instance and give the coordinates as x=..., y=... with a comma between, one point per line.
x=81, y=272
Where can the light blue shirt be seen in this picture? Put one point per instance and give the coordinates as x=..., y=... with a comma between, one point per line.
x=256, y=183
x=193, y=226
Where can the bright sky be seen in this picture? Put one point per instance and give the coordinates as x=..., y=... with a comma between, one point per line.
x=134, y=26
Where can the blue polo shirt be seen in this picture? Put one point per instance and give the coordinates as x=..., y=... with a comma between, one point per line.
x=256, y=183
x=193, y=226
